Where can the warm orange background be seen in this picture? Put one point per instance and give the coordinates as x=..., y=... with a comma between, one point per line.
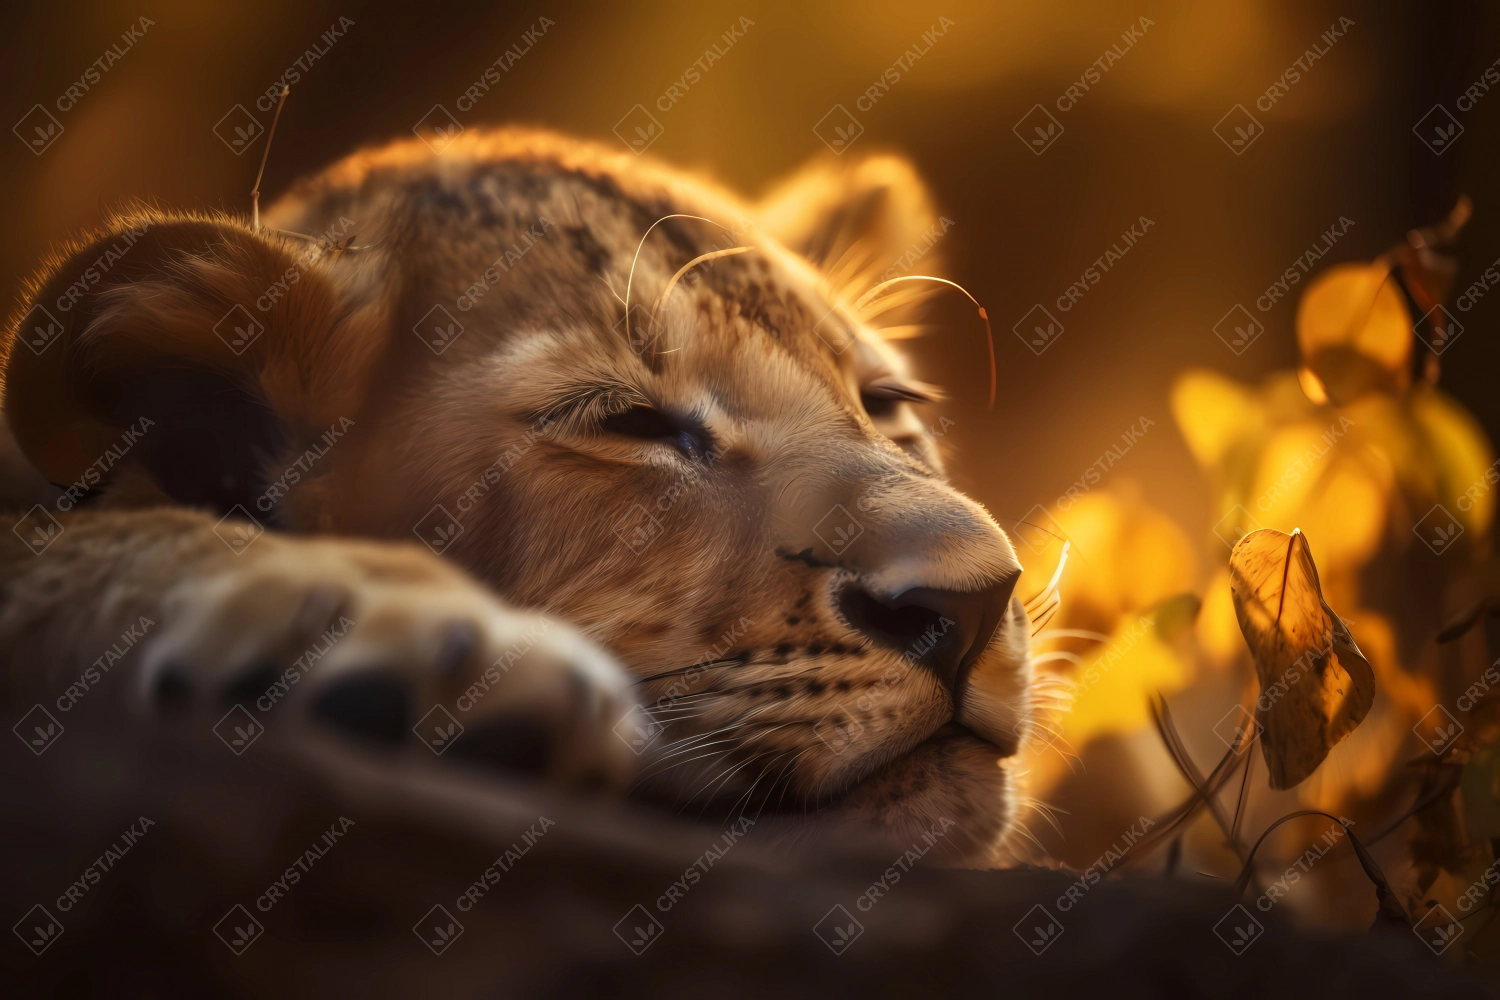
x=1139, y=143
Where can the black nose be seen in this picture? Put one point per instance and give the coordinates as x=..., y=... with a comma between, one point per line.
x=942, y=631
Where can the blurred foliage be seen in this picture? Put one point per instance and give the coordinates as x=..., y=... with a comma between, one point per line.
x=1389, y=484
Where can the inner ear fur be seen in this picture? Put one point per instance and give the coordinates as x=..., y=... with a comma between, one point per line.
x=856, y=221
x=138, y=326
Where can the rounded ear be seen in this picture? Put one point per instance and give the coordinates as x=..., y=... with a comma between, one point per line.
x=860, y=222
x=214, y=345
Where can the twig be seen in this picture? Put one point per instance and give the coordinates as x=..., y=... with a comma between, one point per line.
x=1167, y=729
x=1175, y=817
x=1390, y=908
x=265, y=154
x=1239, y=809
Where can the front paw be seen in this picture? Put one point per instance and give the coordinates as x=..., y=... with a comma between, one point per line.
x=393, y=647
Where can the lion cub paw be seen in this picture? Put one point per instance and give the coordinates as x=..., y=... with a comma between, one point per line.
x=392, y=647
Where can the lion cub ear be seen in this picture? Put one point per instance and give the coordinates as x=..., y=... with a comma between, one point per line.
x=209, y=347
x=860, y=222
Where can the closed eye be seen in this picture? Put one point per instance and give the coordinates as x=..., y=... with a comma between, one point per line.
x=881, y=396
x=646, y=423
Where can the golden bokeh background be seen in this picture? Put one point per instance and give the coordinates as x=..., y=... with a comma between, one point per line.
x=1337, y=144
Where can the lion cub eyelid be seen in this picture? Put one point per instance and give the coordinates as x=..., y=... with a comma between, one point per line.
x=882, y=396
x=647, y=423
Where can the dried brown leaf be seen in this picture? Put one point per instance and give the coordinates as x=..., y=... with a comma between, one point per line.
x=1316, y=685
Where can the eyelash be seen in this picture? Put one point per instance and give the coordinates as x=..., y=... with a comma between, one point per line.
x=881, y=397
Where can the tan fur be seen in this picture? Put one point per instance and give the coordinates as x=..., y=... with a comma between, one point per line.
x=500, y=430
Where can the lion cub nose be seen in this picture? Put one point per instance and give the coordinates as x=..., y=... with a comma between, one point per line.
x=943, y=631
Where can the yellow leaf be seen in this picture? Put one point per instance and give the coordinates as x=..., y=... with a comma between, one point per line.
x=1355, y=332
x=1111, y=689
x=1127, y=556
x=1213, y=413
x=1218, y=629
x=1316, y=685
x=1462, y=457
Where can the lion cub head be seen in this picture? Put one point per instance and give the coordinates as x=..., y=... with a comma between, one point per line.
x=690, y=445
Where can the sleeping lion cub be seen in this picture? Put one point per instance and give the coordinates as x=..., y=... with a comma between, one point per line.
x=532, y=455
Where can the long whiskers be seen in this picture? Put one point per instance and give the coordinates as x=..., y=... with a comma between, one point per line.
x=691, y=666
x=665, y=298
x=989, y=334
x=635, y=259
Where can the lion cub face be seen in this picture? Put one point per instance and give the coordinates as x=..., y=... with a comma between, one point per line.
x=737, y=497
x=728, y=485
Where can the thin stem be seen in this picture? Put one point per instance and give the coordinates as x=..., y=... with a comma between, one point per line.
x=265, y=154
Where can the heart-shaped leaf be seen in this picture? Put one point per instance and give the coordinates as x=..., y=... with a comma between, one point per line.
x=1315, y=684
